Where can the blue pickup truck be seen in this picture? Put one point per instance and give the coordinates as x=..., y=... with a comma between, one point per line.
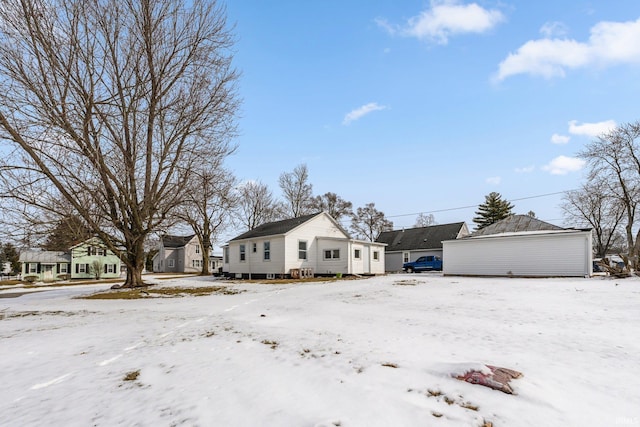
x=424, y=263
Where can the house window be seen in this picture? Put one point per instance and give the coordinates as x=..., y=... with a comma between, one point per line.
x=254, y=248
x=33, y=267
x=356, y=253
x=197, y=249
x=376, y=256
x=196, y=263
x=405, y=257
x=243, y=254
x=171, y=263
x=101, y=252
x=63, y=268
x=111, y=268
x=332, y=254
x=302, y=249
x=267, y=251
x=82, y=268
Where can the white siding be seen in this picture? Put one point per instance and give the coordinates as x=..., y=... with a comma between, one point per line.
x=320, y=233
x=332, y=266
x=255, y=262
x=357, y=265
x=377, y=265
x=564, y=253
x=185, y=264
x=319, y=226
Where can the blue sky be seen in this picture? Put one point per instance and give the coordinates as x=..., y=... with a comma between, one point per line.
x=422, y=106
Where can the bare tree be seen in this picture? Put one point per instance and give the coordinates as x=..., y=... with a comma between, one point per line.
x=425, y=220
x=368, y=222
x=256, y=205
x=96, y=269
x=207, y=207
x=297, y=191
x=614, y=161
x=333, y=204
x=110, y=104
x=589, y=206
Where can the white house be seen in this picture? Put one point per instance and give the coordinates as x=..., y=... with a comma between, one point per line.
x=520, y=246
x=309, y=245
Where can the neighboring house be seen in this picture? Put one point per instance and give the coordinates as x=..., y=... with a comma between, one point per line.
x=87, y=260
x=182, y=254
x=407, y=245
x=5, y=268
x=305, y=246
x=521, y=246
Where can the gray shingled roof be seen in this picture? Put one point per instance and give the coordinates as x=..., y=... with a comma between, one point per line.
x=514, y=224
x=412, y=239
x=169, y=241
x=46, y=257
x=275, y=228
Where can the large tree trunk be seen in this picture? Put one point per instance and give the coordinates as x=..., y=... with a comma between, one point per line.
x=205, y=241
x=205, y=261
x=134, y=259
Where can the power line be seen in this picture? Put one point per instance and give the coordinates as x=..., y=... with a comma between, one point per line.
x=474, y=206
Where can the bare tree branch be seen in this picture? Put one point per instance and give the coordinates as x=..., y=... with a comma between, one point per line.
x=114, y=103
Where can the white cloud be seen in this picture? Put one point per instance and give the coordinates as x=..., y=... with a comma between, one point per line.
x=527, y=169
x=553, y=29
x=446, y=18
x=610, y=43
x=382, y=23
x=560, y=139
x=562, y=165
x=494, y=180
x=591, y=129
x=358, y=113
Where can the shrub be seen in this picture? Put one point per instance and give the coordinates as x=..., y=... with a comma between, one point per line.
x=30, y=278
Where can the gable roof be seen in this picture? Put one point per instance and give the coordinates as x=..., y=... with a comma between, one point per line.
x=95, y=240
x=277, y=227
x=169, y=241
x=515, y=224
x=45, y=257
x=412, y=239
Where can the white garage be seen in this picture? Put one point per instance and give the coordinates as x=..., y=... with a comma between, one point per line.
x=540, y=253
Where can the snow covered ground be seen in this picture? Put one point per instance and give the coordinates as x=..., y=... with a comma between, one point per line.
x=371, y=352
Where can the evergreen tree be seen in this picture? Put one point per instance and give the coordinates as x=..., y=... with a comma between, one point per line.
x=10, y=254
x=67, y=232
x=492, y=210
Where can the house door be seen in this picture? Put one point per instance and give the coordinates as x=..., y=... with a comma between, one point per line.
x=47, y=272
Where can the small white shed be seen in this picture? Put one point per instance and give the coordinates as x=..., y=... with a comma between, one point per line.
x=542, y=253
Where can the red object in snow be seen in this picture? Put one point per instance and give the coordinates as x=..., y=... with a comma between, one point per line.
x=498, y=379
